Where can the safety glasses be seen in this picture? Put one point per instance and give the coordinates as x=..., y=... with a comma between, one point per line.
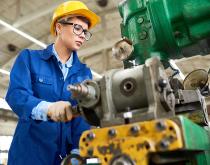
x=78, y=29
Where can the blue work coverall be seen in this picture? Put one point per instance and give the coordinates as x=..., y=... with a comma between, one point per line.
x=36, y=77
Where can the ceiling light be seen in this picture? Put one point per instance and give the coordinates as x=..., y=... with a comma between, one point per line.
x=4, y=72
x=23, y=34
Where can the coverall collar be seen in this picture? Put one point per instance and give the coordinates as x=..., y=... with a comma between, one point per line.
x=48, y=53
x=68, y=63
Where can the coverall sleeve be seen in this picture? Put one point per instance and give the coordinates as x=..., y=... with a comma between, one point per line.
x=40, y=111
x=20, y=94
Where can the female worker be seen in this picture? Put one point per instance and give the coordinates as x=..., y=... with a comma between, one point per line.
x=46, y=130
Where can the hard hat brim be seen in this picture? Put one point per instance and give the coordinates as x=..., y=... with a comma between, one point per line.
x=91, y=16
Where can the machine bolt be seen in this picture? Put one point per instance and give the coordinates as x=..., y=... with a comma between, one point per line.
x=90, y=136
x=147, y=145
x=112, y=132
x=148, y=25
x=177, y=34
x=143, y=35
x=140, y=20
x=135, y=129
x=171, y=138
x=160, y=125
x=90, y=152
x=164, y=144
x=162, y=83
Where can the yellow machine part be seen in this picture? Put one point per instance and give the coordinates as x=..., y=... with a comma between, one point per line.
x=135, y=140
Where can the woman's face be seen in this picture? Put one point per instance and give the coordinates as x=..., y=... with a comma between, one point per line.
x=66, y=33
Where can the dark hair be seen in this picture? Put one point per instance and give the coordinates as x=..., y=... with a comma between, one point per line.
x=84, y=19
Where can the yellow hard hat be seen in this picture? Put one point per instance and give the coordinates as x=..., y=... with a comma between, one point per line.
x=73, y=8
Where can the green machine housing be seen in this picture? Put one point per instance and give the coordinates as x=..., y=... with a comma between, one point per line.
x=163, y=27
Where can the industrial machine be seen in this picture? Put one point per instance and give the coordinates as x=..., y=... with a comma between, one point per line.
x=145, y=117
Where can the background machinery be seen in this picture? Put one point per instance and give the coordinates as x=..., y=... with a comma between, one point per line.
x=145, y=116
